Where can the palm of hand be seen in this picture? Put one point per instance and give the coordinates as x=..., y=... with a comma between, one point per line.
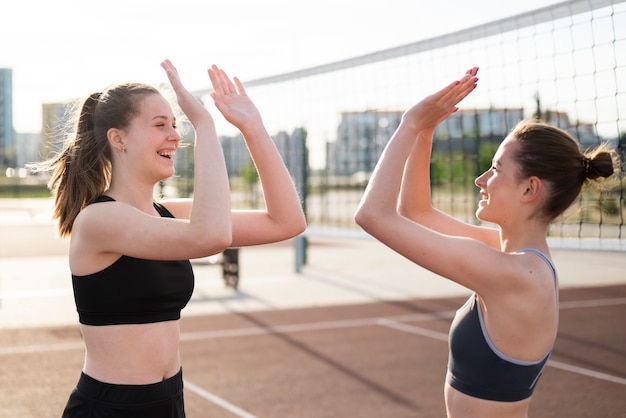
x=236, y=108
x=435, y=108
x=187, y=102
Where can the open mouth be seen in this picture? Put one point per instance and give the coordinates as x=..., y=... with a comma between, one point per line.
x=167, y=154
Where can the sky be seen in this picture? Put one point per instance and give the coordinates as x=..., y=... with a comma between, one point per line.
x=64, y=49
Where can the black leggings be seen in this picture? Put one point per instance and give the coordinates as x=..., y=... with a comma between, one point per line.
x=94, y=399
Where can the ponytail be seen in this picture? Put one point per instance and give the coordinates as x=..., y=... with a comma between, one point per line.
x=81, y=171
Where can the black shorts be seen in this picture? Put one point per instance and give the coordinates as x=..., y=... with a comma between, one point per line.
x=94, y=399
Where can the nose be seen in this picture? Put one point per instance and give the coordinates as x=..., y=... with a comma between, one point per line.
x=174, y=135
x=482, y=179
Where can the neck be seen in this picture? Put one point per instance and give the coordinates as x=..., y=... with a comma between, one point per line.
x=134, y=194
x=529, y=235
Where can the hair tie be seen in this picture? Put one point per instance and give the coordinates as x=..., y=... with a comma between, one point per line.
x=586, y=164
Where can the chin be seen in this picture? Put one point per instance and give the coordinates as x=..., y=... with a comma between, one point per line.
x=162, y=178
x=168, y=174
x=480, y=215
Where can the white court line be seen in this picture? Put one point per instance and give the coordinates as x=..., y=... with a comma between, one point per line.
x=592, y=303
x=217, y=400
x=395, y=322
x=413, y=329
x=309, y=326
x=553, y=363
x=242, y=332
x=586, y=372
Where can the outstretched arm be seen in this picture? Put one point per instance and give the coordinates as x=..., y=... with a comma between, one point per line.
x=283, y=217
x=465, y=261
x=210, y=208
x=415, y=194
x=383, y=190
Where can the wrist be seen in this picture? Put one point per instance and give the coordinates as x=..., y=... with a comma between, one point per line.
x=410, y=127
x=252, y=127
x=204, y=126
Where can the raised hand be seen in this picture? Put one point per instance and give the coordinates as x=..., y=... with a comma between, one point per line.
x=434, y=109
x=189, y=104
x=231, y=99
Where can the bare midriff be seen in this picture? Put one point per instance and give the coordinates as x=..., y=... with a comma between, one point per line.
x=460, y=405
x=134, y=354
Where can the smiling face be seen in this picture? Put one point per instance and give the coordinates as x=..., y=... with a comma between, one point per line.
x=151, y=140
x=500, y=187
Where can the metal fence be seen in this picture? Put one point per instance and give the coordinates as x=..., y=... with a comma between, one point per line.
x=565, y=63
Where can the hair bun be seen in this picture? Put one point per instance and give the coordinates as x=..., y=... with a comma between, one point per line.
x=598, y=165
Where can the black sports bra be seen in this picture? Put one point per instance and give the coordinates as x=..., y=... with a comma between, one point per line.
x=134, y=290
x=477, y=368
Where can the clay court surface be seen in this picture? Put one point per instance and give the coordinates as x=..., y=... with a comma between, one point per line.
x=360, y=332
x=383, y=359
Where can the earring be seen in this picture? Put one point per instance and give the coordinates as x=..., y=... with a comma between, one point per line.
x=123, y=148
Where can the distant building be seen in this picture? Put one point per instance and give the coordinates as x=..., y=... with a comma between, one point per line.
x=585, y=133
x=28, y=148
x=465, y=130
x=290, y=146
x=479, y=123
x=7, y=134
x=362, y=136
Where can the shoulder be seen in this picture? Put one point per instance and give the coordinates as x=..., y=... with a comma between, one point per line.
x=94, y=217
x=92, y=212
x=501, y=275
x=536, y=269
x=93, y=227
x=524, y=275
x=103, y=217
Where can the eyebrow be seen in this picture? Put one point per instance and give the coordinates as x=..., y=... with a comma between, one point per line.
x=163, y=117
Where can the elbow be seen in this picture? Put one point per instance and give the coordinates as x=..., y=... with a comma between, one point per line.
x=213, y=241
x=297, y=224
x=405, y=212
x=420, y=215
x=297, y=228
x=290, y=226
x=364, y=217
x=224, y=240
x=301, y=227
x=294, y=228
x=375, y=219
